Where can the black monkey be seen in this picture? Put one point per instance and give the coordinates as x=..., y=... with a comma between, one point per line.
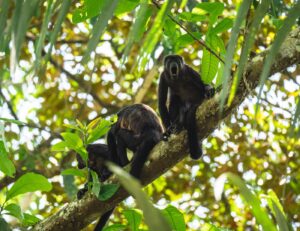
x=186, y=92
x=138, y=129
x=97, y=154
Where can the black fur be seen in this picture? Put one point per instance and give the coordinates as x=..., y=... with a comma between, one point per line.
x=186, y=92
x=97, y=154
x=138, y=129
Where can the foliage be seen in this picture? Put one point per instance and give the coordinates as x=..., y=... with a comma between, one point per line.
x=62, y=65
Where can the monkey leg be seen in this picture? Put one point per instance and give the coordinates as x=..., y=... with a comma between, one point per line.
x=191, y=126
x=150, y=139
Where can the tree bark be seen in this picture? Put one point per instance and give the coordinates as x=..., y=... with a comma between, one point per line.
x=165, y=155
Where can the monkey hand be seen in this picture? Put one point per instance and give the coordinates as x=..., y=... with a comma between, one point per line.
x=172, y=129
x=81, y=192
x=209, y=92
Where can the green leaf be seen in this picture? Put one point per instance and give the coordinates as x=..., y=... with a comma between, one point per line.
x=99, y=26
x=277, y=210
x=219, y=79
x=83, y=153
x=4, y=6
x=65, y=5
x=214, y=9
x=241, y=15
x=138, y=28
x=249, y=41
x=186, y=39
x=260, y=213
x=96, y=183
x=29, y=182
x=91, y=8
x=280, y=37
x=42, y=35
x=115, y=227
x=74, y=172
x=71, y=126
x=93, y=123
x=126, y=6
x=170, y=28
x=23, y=12
x=99, y=131
x=107, y=191
x=211, y=7
x=134, y=218
x=6, y=165
x=280, y=218
x=4, y=225
x=72, y=140
x=296, y=116
x=154, y=34
x=175, y=218
x=14, y=210
x=81, y=126
x=222, y=26
x=59, y=147
x=210, y=63
x=30, y=220
x=13, y=121
x=153, y=217
x=191, y=17
x=69, y=186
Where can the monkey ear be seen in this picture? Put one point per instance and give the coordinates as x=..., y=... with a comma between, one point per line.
x=181, y=59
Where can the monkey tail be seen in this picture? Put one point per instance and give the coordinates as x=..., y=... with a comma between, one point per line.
x=103, y=219
x=194, y=145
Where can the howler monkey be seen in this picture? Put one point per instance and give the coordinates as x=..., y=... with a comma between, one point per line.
x=138, y=129
x=97, y=154
x=186, y=92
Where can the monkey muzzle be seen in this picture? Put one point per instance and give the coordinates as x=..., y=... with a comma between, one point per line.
x=174, y=69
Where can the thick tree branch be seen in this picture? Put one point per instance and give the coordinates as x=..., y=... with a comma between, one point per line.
x=165, y=155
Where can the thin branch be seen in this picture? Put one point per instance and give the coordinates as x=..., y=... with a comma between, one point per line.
x=146, y=85
x=200, y=41
x=9, y=105
x=275, y=105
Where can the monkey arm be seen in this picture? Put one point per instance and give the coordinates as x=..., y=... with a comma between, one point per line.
x=195, y=78
x=162, y=101
x=112, y=145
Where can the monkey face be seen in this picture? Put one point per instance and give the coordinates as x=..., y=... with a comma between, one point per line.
x=173, y=64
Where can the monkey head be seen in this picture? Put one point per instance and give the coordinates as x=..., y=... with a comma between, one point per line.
x=97, y=154
x=173, y=65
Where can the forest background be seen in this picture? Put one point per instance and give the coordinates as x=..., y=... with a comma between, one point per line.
x=64, y=64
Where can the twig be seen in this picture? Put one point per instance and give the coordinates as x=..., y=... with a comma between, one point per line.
x=190, y=34
x=10, y=107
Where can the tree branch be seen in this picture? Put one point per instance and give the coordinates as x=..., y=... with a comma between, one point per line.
x=165, y=155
